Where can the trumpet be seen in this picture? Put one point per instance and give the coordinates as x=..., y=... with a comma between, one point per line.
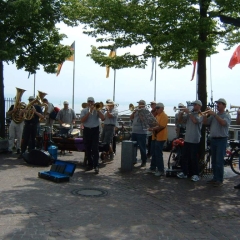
x=233, y=111
x=176, y=109
x=203, y=113
x=232, y=106
x=134, y=108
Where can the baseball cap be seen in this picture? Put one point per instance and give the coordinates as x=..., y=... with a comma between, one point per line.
x=31, y=98
x=142, y=102
x=153, y=102
x=221, y=100
x=65, y=102
x=160, y=105
x=109, y=100
x=197, y=102
x=90, y=99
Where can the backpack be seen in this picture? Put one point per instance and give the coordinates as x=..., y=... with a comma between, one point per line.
x=54, y=113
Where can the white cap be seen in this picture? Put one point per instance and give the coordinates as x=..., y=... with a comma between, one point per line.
x=197, y=102
x=31, y=98
x=180, y=105
x=221, y=100
x=160, y=105
x=142, y=102
x=65, y=102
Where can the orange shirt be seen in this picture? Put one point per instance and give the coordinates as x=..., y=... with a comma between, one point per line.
x=162, y=120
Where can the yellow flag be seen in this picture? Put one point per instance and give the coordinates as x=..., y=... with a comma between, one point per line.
x=112, y=54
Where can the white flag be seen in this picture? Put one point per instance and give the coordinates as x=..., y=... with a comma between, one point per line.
x=153, y=63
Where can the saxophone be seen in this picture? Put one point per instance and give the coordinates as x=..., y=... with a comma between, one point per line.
x=29, y=113
x=17, y=116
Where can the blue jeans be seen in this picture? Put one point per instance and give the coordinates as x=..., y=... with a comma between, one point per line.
x=218, y=151
x=157, y=155
x=141, y=142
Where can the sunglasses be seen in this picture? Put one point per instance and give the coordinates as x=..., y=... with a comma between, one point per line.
x=90, y=101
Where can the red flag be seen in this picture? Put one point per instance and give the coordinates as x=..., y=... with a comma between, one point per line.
x=59, y=67
x=194, y=69
x=235, y=59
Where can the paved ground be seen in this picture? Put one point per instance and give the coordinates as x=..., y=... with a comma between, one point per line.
x=137, y=205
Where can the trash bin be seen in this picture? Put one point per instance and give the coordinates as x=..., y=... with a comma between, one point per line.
x=128, y=155
x=53, y=150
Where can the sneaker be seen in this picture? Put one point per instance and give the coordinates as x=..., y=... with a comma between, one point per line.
x=143, y=165
x=181, y=175
x=96, y=169
x=195, y=178
x=218, y=184
x=149, y=170
x=18, y=151
x=159, y=174
x=237, y=186
x=212, y=181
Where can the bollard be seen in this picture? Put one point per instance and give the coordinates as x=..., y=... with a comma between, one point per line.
x=128, y=155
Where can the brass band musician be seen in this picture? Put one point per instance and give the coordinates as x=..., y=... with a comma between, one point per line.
x=31, y=125
x=90, y=120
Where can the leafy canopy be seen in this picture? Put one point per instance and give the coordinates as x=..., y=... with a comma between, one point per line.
x=173, y=30
x=29, y=35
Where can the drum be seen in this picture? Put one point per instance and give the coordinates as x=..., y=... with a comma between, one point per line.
x=66, y=125
x=75, y=133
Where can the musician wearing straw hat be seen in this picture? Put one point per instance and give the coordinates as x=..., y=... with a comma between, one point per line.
x=139, y=134
x=110, y=122
x=90, y=120
x=219, y=125
x=66, y=117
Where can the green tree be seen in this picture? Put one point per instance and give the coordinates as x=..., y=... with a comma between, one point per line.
x=176, y=31
x=29, y=36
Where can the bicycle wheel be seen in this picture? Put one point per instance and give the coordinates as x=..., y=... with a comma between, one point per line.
x=174, y=159
x=235, y=161
x=205, y=165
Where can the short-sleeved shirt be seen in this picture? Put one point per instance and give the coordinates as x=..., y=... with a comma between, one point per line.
x=112, y=120
x=66, y=115
x=193, y=130
x=162, y=120
x=92, y=120
x=137, y=126
x=216, y=129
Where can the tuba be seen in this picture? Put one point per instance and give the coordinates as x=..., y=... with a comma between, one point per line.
x=28, y=115
x=17, y=117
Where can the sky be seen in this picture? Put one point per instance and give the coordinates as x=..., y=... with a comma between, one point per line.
x=131, y=84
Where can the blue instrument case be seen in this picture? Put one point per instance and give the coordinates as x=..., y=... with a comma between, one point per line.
x=60, y=171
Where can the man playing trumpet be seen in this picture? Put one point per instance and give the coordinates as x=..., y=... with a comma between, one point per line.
x=219, y=124
x=193, y=121
x=110, y=122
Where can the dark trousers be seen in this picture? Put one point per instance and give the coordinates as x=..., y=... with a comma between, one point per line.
x=29, y=135
x=190, y=159
x=91, y=141
x=114, y=143
x=149, y=145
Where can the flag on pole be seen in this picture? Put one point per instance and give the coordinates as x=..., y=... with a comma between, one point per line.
x=153, y=64
x=235, y=59
x=194, y=69
x=71, y=58
x=112, y=54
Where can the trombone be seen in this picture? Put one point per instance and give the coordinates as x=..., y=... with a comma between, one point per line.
x=181, y=108
x=232, y=106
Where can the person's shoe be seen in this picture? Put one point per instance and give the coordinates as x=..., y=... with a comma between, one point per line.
x=195, y=178
x=88, y=168
x=212, y=181
x=143, y=165
x=69, y=151
x=218, y=184
x=20, y=156
x=149, y=170
x=111, y=155
x=96, y=169
x=181, y=175
x=18, y=151
x=237, y=186
x=159, y=174
x=9, y=152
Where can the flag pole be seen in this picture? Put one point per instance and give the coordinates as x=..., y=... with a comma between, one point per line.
x=73, y=76
x=155, y=83
x=114, y=85
x=34, y=84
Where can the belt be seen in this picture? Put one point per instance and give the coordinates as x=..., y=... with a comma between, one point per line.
x=110, y=125
x=218, y=137
x=91, y=127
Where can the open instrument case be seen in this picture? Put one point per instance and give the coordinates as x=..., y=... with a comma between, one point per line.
x=60, y=171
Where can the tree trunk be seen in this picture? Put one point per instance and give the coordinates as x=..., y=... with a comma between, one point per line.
x=2, y=103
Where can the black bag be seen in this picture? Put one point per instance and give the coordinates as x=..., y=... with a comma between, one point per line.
x=38, y=157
